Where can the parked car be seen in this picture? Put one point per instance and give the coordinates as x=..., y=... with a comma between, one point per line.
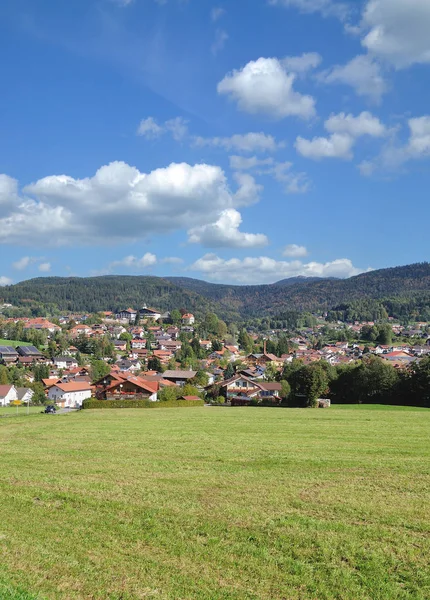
x=50, y=410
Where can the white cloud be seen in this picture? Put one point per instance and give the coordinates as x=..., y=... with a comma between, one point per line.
x=172, y=260
x=419, y=140
x=150, y=129
x=45, y=267
x=303, y=63
x=132, y=262
x=241, y=163
x=338, y=145
x=248, y=142
x=221, y=37
x=345, y=129
x=263, y=269
x=364, y=124
x=264, y=86
x=248, y=191
x=295, y=251
x=24, y=262
x=398, y=31
x=225, y=233
x=294, y=182
x=5, y=280
x=327, y=8
x=119, y=203
x=395, y=154
x=362, y=73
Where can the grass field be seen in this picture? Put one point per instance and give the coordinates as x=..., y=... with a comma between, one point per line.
x=216, y=503
x=21, y=412
x=13, y=343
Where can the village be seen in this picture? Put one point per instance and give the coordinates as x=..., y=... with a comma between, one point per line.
x=155, y=355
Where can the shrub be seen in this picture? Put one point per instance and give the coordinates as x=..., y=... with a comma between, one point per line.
x=94, y=403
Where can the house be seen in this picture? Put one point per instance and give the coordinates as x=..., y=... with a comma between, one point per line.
x=130, y=387
x=127, y=315
x=120, y=345
x=129, y=365
x=241, y=386
x=69, y=395
x=80, y=330
x=8, y=354
x=8, y=394
x=65, y=362
x=25, y=395
x=30, y=352
x=179, y=377
x=188, y=319
x=190, y=398
x=149, y=313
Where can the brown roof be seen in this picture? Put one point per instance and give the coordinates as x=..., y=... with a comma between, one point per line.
x=73, y=387
x=5, y=389
x=191, y=398
x=179, y=374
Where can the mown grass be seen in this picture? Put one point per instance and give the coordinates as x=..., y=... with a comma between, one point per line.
x=217, y=503
x=20, y=411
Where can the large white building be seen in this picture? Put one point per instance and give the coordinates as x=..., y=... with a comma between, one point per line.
x=70, y=395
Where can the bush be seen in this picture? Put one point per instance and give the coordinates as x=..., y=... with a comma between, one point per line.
x=94, y=403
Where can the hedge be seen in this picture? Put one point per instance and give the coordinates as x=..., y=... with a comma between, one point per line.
x=93, y=403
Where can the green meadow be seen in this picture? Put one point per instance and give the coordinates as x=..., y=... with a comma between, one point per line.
x=216, y=503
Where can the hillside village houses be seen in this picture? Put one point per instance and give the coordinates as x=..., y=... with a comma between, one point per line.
x=148, y=354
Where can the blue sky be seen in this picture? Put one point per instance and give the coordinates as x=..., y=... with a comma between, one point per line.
x=232, y=141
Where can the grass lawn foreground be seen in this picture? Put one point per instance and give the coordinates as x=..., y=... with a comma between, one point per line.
x=216, y=503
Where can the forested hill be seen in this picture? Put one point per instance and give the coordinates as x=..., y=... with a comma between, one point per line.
x=406, y=285
x=111, y=292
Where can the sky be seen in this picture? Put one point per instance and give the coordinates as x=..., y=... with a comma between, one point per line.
x=235, y=141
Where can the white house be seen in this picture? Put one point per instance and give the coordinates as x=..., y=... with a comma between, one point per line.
x=8, y=394
x=25, y=394
x=69, y=395
x=65, y=362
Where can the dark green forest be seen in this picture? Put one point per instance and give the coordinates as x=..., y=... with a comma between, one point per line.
x=401, y=292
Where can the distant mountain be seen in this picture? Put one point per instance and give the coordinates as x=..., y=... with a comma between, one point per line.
x=231, y=302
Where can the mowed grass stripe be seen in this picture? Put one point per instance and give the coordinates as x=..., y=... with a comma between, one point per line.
x=215, y=503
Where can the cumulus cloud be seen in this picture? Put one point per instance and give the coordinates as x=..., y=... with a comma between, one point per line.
x=119, y=203
x=150, y=129
x=327, y=8
x=293, y=182
x=337, y=145
x=27, y=261
x=5, y=280
x=395, y=154
x=24, y=262
x=132, y=262
x=295, y=251
x=265, y=86
x=398, y=31
x=242, y=163
x=225, y=233
x=362, y=73
x=345, y=129
x=263, y=269
x=364, y=124
x=248, y=142
x=303, y=63
x=45, y=267
x=221, y=38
